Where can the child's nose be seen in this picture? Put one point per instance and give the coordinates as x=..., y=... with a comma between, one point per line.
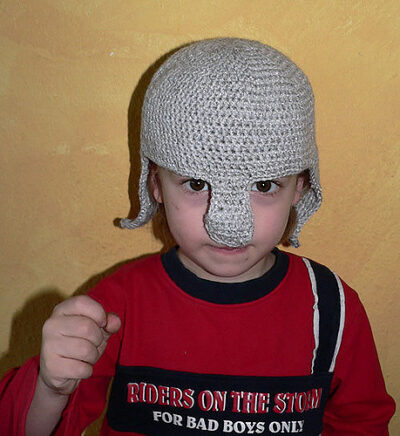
x=229, y=220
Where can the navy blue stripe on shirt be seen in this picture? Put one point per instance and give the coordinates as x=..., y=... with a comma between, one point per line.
x=225, y=293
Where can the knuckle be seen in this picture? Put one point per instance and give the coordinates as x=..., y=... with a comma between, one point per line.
x=88, y=353
x=87, y=327
x=48, y=327
x=84, y=370
x=79, y=302
x=98, y=338
x=59, y=307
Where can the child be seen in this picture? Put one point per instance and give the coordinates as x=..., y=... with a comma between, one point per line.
x=224, y=334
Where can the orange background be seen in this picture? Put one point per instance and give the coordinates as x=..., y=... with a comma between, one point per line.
x=68, y=70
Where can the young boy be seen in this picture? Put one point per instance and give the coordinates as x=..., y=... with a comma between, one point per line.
x=224, y=334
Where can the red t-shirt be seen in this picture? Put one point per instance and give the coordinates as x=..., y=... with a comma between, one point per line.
x=185, y=364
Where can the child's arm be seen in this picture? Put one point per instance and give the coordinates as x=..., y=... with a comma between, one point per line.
x=359, y=403
x=74, y=338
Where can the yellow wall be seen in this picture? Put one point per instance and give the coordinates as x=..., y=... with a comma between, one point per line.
x=68, y=69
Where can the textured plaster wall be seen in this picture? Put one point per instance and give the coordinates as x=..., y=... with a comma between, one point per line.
x=68, y=69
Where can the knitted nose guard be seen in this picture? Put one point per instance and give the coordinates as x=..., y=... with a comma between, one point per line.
x=229, y=219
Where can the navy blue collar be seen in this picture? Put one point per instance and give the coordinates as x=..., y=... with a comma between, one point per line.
x=225, y=293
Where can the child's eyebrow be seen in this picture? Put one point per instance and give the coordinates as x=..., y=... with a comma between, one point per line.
x=278, y=178
x=180, y=176
x=172, y=173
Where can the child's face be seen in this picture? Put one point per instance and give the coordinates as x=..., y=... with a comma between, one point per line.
x=186, y=202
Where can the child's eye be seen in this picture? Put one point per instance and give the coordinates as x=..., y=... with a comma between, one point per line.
x=265, y=186
x=196, y=185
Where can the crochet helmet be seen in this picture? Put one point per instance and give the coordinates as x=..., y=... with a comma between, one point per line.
x=231, y=112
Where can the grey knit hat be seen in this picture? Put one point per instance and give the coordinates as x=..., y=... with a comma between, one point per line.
x=230, y=112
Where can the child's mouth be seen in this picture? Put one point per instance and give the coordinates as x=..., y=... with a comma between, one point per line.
x=232, y=250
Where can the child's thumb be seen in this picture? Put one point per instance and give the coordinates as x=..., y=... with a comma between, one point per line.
x=113, y=323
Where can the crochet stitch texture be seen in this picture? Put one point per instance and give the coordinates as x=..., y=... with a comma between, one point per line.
x=231, y=112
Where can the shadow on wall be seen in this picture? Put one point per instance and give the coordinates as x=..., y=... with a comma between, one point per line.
x=26, y=328
x=27, y=323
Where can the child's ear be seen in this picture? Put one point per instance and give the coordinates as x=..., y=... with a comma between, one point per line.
x=154, y=183
x=300, y=184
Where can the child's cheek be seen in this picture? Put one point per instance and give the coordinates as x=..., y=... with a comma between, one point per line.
x=273, y=213
x=197, y=202
x=261, y=201
x=186, y=211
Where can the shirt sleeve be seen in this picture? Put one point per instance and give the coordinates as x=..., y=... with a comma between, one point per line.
x=86, y=404
x=358, y=403
x=16, y=392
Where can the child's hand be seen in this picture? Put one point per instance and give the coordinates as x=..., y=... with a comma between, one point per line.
x=74, y=338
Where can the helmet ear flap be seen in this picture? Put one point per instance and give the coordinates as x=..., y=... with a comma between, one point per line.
x=308, y=204
x=148, y=205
